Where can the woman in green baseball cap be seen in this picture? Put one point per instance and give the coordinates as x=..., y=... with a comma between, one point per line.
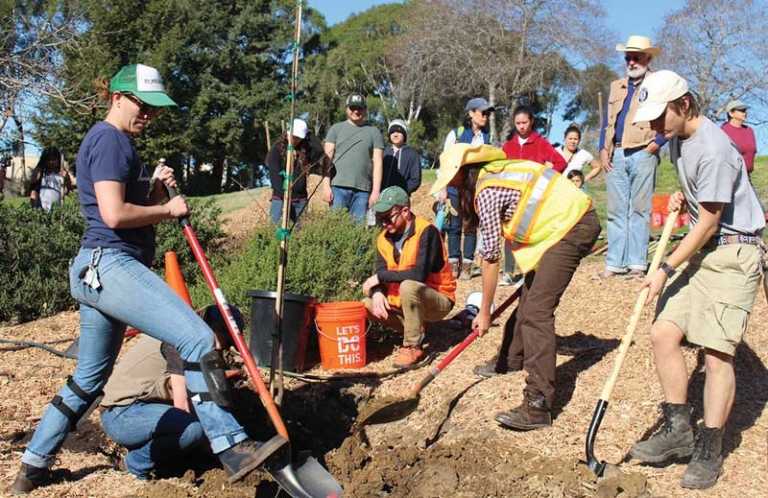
x=111, y=280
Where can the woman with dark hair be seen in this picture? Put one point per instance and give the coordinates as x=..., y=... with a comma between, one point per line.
x=575, y=157
x=111, y=279
x=309, y=151
x=473, y=131
x=525, y=143
x=552, y=226
x=50, y=181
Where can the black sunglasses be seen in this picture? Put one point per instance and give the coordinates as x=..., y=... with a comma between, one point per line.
x=633, y=57
x=144, y=108
x=387, y=218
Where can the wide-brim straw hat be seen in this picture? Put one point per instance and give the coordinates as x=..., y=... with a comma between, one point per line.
x=637, y=43
x=457, y=155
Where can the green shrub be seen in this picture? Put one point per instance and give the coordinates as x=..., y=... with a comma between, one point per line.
x=35, y=249
x=328, y=258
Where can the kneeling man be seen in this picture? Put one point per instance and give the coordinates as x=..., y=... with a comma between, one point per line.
x=413, y=283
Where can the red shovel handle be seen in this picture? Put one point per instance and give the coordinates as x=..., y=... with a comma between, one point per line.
x=232, y=328
x=459, y=348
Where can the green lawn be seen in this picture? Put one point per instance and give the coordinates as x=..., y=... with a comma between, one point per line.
x=235, y=200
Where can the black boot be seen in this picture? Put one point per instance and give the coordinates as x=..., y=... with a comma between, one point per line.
x=707, y=460
x=29, y=478
x=241, y=459
x=532, y=414
x=673, y=439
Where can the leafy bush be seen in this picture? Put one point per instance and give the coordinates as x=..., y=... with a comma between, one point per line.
x=35, y=249
x=328, y=258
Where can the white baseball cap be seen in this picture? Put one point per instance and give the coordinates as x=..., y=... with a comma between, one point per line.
x=299, y=128
x=658, y=89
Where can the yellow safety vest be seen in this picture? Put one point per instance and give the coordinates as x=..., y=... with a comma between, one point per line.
x=550, y=205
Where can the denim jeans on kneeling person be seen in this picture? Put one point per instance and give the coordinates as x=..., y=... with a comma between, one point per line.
x=454, y=231
x=630, y=188
x=154, y=433
x=130, y=294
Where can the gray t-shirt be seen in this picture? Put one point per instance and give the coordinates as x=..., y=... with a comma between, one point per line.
x=711, y=169
x=354, y=152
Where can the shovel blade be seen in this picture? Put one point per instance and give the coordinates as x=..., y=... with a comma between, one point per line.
x=309, y=480
x=386, y=410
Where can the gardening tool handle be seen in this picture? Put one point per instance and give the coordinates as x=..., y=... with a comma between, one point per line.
x=626, y=341
x=459, y=348
x=173, y=192
x=232, y=328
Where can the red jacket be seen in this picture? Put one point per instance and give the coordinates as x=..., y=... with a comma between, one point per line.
x=536, y=149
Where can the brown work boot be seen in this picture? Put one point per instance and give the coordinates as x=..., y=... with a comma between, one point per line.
x=29, y=478
x=532, y=414
x=491, y=368
x=707, y=460
x=408, y=356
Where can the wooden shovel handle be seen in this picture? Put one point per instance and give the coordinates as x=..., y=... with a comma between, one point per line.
x=626, y=341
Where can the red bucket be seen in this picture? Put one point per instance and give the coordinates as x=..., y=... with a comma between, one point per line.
x=341, y=329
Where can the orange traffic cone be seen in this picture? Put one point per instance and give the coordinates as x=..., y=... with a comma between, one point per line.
x=174, y=278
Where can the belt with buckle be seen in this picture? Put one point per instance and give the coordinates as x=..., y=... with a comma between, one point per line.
x=723, y=240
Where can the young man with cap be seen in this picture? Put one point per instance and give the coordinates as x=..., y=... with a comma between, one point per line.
x=473, y=131
x=552, y=226
x=739, y=133
x=413, y=283
x=711, y=300
x=629, y=155
x=402, y=164
x=356, y=149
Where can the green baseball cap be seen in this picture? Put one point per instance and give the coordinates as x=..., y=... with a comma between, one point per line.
x=142, y=81
x=391, y=197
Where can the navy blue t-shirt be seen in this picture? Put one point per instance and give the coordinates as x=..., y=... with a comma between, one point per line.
x=107, y=154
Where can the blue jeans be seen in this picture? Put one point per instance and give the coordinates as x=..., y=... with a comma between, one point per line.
x=454, y=230
x=130, y=294
x=154, y=433
x=276, y=209
x=353, y=200
x=630, y=187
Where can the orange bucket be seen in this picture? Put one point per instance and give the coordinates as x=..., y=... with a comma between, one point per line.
x=659, y=210
x=341, y=329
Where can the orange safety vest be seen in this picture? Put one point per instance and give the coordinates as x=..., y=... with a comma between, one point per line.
x=442, y=281
x=550, y=205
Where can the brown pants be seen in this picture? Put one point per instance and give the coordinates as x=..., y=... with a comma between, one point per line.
x=419, y=304
x=529, y=334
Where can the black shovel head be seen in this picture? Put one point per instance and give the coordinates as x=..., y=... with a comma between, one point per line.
x=385, y=410
x=309, y=480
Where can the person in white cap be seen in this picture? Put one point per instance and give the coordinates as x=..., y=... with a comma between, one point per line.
x=309, y=156
x=711, y=300
x=741, y=134
x=402, y=164
x=629, y=156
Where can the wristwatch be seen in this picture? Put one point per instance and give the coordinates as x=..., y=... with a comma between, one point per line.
x=667, y=269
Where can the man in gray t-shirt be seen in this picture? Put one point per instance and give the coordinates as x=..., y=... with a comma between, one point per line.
x=357, y=151
x=709, y=303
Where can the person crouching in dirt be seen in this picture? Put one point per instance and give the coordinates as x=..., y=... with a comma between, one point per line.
x=413, y=283
x=146, y=406
x=552, y=226
x=710, y=302
x=111, y=279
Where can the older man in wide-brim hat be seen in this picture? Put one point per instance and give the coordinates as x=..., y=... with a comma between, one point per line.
x=629, y=155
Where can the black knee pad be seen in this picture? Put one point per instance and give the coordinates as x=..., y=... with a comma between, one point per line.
x=74, y=416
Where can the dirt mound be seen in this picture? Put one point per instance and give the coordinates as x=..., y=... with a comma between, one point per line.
x=480, y=466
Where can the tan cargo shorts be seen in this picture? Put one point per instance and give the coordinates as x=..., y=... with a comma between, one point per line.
x=712, y=299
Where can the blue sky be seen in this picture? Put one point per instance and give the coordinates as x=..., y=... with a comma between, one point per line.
x=624, y=17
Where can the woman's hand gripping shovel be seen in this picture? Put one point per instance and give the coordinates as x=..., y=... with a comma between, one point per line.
x=389, y=409
x=309, y=480
x=593, y=463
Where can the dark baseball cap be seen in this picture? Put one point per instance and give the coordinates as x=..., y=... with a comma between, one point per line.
x=356, y=100
x=391, y=197
x=478, y=104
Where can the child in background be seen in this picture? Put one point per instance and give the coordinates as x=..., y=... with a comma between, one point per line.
x=577, y=177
